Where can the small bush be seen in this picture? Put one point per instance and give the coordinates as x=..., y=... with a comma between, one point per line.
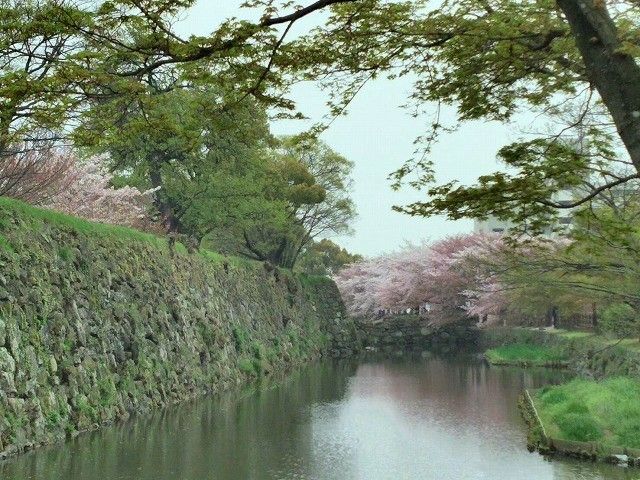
x=579, y=426
x=240, y=337
x=621, y=320
x=246, y=366
x=576, y=407
x=6, y=245
x=554, y=396
x=258, y=350
x=251, y=366
x=629, y=433
x=65, y=254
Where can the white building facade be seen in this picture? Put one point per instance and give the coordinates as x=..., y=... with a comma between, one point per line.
x=564, y=221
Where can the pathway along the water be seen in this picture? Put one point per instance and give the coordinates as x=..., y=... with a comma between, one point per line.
x=397, y=419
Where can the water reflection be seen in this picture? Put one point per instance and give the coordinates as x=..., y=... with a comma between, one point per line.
x=425, y=418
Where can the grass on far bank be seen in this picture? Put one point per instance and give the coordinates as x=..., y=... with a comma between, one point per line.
x=632, y=343
x=584, y=410
x=526, y=355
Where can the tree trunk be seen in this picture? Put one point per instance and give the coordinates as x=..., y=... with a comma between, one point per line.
x=614, y=73
x=164, y=207
x=248, y=244
x=278, y=257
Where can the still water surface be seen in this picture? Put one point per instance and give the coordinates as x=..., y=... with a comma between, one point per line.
x=395, y=419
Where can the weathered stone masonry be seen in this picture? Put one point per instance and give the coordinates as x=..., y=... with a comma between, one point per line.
x=96, y=325
x=405, y=333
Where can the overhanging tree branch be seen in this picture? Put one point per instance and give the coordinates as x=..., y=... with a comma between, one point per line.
x=303, y=12
x=239, y=39
x=594, y=193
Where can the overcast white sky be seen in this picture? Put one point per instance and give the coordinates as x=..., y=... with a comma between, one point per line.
x=377, y=134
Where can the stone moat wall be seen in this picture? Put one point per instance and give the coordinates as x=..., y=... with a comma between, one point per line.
x=97, y=323
x=411, y=332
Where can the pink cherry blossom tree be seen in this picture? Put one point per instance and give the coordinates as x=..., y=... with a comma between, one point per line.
x=35, y=172
x=449, y=275
x=478, y=276
x=53, y=177
x=88, y=193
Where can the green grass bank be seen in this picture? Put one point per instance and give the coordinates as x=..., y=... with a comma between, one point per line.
x=594, y=420
x=585, y=354
x=524, y=355
x=586, y=411
x=594, y=416
x=99, y=322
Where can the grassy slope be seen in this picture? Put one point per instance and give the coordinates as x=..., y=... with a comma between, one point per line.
x=526, y=355
x=583, y=410
x=73, y=223
x=34, y=216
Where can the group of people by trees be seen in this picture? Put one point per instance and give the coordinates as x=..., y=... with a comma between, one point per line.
x=104, y=103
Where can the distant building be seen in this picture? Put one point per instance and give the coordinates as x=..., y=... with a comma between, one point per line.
x=565, y=219
x=491, y=225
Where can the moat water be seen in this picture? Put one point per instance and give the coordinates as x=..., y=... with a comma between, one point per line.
x=393, y=419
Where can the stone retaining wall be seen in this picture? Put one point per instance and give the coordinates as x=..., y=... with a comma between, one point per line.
x=412, y=332
x=97, y=323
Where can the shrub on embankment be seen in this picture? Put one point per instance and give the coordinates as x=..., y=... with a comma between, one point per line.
x=98, y=322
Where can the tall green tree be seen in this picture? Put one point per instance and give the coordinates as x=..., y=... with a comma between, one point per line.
x=275, y=233
x=321, y=205
x=332, y=172
x=492, y=59
x=197, y=159
x=325, y=257
x=306, y=194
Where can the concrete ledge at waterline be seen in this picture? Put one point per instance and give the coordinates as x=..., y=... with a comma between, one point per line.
x=538, y=439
